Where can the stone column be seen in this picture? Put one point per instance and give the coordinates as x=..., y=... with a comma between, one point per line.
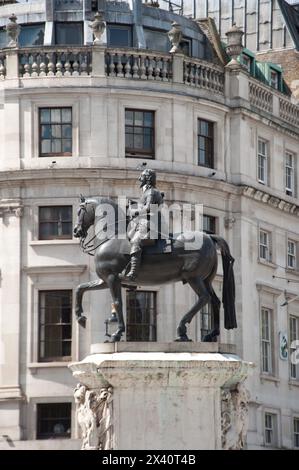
x=162, y=396
x=10, y=390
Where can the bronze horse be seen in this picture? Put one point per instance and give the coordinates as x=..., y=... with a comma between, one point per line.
x=195, y=267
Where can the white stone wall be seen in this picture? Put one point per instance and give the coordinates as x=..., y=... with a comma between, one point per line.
x=99, y=166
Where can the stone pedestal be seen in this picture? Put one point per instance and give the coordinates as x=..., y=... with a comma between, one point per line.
x=175, y=396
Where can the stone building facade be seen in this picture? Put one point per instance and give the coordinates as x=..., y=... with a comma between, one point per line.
x=66, y=118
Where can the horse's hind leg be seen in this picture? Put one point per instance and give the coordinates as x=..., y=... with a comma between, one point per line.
x=114, y=285
x=215, y=312
x=201, y=290
x=86, y=286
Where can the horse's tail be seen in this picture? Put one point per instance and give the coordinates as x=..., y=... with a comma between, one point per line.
x=228, y=290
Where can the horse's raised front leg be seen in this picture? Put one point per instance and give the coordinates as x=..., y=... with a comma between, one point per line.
x=86, y=286
x=114, y=285
x=199, y=287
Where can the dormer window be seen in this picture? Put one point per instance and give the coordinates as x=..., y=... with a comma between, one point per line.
x=247, y=61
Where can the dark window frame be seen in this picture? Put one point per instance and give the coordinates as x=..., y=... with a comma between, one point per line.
x=54, y=221
x=209, y=140
x=151, y=325
x=40, y=419
x=141, y=153
x=40, y=124
x=47, y=358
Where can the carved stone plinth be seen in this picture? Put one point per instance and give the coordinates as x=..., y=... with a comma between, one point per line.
x=162, y=400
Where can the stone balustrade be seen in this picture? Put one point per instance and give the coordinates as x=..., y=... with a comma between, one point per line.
x=54, y=62
x=135, y=64
x=138, y=65
x=260, y=96
x=203, y=75
x=289, y=111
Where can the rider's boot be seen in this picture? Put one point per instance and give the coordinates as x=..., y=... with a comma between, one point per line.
x=135, y=264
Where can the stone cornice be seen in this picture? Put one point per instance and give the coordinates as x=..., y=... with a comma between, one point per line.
x=73, y=269
x=271, y=200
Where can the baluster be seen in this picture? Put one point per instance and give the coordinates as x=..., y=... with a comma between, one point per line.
x=75, y=65
x=67, y=65
x=128, y=68
x=157, y=69
x=192, y=75
x=84, y=64
x=164, y=70
x=58, y=65
x=42, y=65
x=51, y=64
x=119, y=66
x=142, y=68
x=27, y=65
x=185, y=72
x=135, y=67
x=196, y=75
x=111, y=66
x=34, y=66
x=2, y=68
x=150, y=69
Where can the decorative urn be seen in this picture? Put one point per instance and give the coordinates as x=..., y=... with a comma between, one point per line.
x=98, y=27
x=234, y=44
x=13, y=30
x=175, y=37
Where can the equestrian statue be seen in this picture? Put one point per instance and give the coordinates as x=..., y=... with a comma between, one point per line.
x=138, y=258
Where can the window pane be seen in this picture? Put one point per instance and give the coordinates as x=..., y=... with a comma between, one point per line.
x=67, y=131
x=129, y=118
x=138, y=118
x=46, y=131
x=66, y=115
x=56, y=131
x=138, y=141
x=119, y=36
x=51, y=222
x=69, y=33
x=45, y=115
x=148, y=119
x=32, y=35
x=55, y=115
x=46, y=146
x=56, y=146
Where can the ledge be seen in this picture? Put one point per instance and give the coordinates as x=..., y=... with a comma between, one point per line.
x=294, y=383
x=153, y=347
x=270, y=378
x=53, y=242
x=75, y=269
x=47, y=365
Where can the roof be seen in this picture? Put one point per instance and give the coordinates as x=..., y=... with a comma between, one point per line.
x=291, y=16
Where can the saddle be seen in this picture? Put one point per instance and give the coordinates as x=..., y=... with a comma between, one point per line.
x=156, y=247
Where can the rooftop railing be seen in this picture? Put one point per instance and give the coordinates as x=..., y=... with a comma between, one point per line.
x=235, y=87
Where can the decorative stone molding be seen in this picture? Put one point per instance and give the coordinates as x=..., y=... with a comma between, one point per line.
x=8, y=210
x=229, y=221
x=94, y=413
x=273, y=201
x=234, y=417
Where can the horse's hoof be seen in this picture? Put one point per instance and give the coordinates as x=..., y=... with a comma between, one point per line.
x=183, y=339
x=115, y=338
x=82, y=321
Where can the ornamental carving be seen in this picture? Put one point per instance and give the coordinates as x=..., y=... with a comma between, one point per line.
x=234, y=417
x=175, y=36
x=94, y=414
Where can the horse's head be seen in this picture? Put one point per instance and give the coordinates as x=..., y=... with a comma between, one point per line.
x=86, y=214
